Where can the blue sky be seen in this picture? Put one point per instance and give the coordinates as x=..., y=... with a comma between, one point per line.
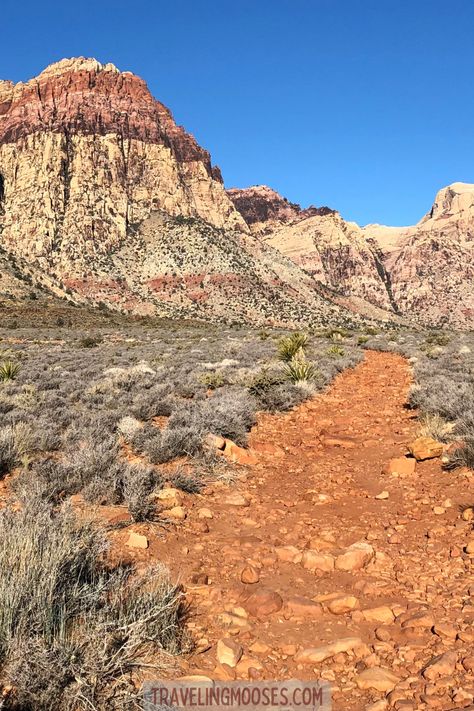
x=362, y=105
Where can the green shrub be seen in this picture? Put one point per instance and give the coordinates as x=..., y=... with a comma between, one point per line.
x=336, y=334
x=289, y=346
x=212, y=380
x=437, y=338
x=9, y=370
x=299, y=370
x=335, y=351
x=90, y=341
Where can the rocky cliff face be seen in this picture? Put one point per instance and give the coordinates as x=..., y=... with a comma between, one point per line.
x=86, y=153
x=424, y=272
x=264, y=210
x=335, y=252
x=106, y=199
x=431, y=265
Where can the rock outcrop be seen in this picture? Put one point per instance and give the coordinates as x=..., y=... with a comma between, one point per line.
x=263, y=209
x=423, y=273
x=431, y=265
x=107, y=200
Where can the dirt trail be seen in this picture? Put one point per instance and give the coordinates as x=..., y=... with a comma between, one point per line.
x=290, y=519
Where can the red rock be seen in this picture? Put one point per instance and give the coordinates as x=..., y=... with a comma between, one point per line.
x=136, y=540
x=263, y=602
x=238, y=455
x=425, y=448
x=249, y=575
x=304, y=608
x=402, y=466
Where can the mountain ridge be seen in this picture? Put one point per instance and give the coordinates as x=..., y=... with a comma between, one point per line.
x=108, y=200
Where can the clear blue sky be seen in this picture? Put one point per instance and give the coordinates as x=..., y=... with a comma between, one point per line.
x=363, y=105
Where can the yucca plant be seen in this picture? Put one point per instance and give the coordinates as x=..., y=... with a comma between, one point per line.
x=9, y=370
x=335, y=351
x=298, y=369
x=290, y=346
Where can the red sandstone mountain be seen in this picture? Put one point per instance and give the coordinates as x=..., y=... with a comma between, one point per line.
x=105, y=198
x=424, y=272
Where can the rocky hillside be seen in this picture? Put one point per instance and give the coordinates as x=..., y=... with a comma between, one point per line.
x=107, y=200
x=422, y=272
x=431, y=265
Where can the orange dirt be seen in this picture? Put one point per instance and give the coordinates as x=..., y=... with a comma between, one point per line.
x=319, y=471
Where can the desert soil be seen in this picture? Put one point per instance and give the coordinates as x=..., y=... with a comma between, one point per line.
x=398, y=608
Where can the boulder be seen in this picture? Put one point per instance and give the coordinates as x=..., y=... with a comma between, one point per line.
x=377, y=678
x=229, y=652
x=355, y=557
x=263, y=602
x=136, y=540
x=425, y=448
x=315, y=655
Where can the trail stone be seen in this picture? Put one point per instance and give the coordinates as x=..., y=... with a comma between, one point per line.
x=263, y=602
x=425, y=448
x=205, y=513
x=400, y=466
x=314, y=655
x=341, y=605
x=303, y=607
x=288, y=554
x=442, y=665
x=357, y=556
x=239, y=455
x=136, y=540
x=377, y=678
x=249, y=575
x=382, y=614
x=228, y=652
x=213, y=441
x=169, y=497
x=423, y=619
x=312, y=560
x=177, y=512
x=236, y=499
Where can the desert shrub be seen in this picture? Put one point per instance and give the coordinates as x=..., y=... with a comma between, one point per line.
x=9, y=370
x=212, y=380
x=138, y=483
x=362, y=340
x=155, y=402
x=289, y=346
x=189, y=481
x=335, y=351
x=461, y=456
x=128, y=427
x=300, y=370
x=176, y=442
x=273, y=392
x=437, y=338
x=71, y=630
x=90, y=341
x=8, y=451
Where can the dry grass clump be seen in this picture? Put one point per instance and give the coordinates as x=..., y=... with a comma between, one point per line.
x=72, y=631
x=433, y=425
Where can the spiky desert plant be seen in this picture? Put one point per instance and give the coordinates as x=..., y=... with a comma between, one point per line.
x=335, y=351
x=289, y=346
x=298, y=369
x=9, y=370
